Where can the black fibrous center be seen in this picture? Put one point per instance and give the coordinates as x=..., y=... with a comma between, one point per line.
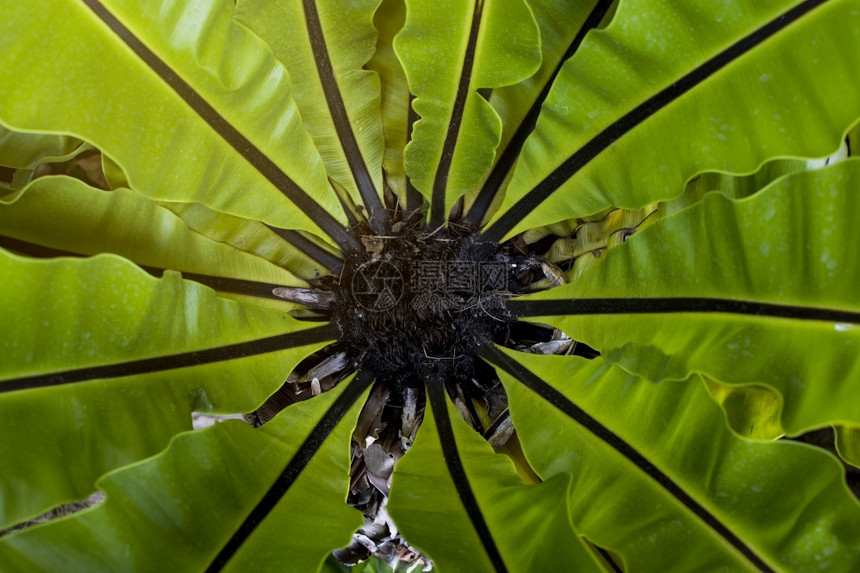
x=416, y=306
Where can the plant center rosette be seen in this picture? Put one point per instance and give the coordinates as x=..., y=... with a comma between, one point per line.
x=415, y=306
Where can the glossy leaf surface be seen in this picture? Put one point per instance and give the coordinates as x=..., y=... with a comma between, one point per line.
x=848, y=444
x=676, y=487
x=450, y=51
x=129, y=378
x=184, y=503
x=395, y=100
x=229, y=156
x=324, y=47
x=28, y=150
x=258, y=239
x=804, y=344
x=627, y=94
x=69, y=216
x=472, y=508
x=563, y=26
x=192, y=70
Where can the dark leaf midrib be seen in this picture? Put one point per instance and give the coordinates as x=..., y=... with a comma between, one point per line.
x=440, y=182
x=454, y=464
x=378, y=217
x=309, y=248
x=672, y=305
x=578, y=415
x=600, y=142
x=188, y=359
x=220, y=284
x=254, y=156
x=511, y=152
x=293, y=469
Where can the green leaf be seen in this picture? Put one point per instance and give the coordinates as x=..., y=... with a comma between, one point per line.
x=183, y=98
x=29, y=150
x=469, y=509
x=175, y=511
x=660, y=479
x=114, y=175
x=579, y=238
x=324, y=45
x=450, y=50
x=29, y=153
x=848, y=444
x=107, y=363
x=741, y=186
x=307, y=261
x=563, y=26
x=560, y=23
x=396, y=100
x=751, y=411
x=194, y=112
x=782, y=248
x=624, y=124
x=587, y=241
x=732, y=186
x=66, y=214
